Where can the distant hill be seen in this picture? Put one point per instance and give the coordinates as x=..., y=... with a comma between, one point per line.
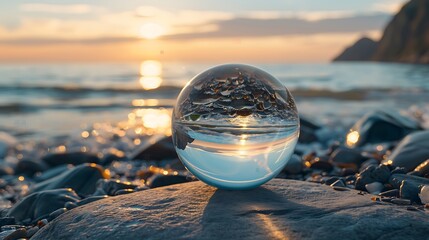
x=362, y=50
x=405, y=39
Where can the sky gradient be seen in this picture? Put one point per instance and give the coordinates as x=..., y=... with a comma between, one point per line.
x=257, y=31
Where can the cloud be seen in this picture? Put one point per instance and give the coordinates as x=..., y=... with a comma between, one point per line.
x=49, y=41
x=56, y=8
x=388, y=6
x=257, y=27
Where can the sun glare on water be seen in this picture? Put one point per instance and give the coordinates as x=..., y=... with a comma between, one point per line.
x=150, y=72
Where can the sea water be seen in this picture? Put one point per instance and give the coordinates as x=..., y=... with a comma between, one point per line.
x=234, y=157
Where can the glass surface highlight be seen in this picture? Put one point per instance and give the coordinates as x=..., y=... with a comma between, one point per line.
x=235, y=126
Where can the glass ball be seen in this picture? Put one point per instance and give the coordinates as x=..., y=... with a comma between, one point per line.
x=235, y=126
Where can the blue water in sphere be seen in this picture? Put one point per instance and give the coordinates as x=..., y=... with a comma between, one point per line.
x=235, y=126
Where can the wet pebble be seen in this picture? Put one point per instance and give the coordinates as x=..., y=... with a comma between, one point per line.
x=75, y=158
x=40, y=204
x=400, y=201
x=396, y=179
x=390, y=193
x=29, y=167
x=329, y=180
x=70, y=205
x=124, y=191
x=381, y=126
x=347, y=158
x=90, y=199
x=424, y=194
x=163, y=149
x=7, y=221
x=56, y=213
x=368, y=163
x=17, y=234
x=410, y=152
x=32, y=231
x=410, y=191
x=364, y=178
x=82, y=179
x=381, y=173
x=160, y=180
x=110, y=186
x=423, y=169
x=374, y=187
x=338, y=183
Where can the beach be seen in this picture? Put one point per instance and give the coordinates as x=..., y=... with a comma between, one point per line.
x=72, y=134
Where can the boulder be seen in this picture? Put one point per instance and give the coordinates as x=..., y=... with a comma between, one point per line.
x=280, y=209
x=379, y=127
x=410, y=152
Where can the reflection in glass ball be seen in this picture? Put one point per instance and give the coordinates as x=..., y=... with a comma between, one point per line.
x=235, y=126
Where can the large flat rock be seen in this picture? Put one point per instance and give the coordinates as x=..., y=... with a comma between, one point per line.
x=280, y=209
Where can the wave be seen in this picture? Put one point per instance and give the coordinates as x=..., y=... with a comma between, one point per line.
x=82, y=89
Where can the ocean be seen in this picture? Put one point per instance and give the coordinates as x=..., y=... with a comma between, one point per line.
x=48, y=100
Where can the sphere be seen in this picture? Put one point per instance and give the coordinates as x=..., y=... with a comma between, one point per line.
x=235, y=126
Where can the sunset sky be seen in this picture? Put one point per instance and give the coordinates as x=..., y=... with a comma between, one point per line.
x=251, y=30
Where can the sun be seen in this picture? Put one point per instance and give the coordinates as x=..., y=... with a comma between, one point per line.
x=151, y=31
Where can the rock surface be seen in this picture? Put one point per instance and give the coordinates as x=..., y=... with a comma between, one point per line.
x=280, y=209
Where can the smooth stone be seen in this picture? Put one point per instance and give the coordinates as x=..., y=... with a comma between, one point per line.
x=7, y=141
x=280, y=209
x=7, y=221
x=75, y=158
x=381, y=173
x=56, y=213
x=410, y=152
x=82, y=179
x=161, y=150
x=40, y=204
x=338, y=183
x=110, y=186
x=344, y=157
x=32, y=231
x=329, y=180
x=423, y=168
x=368, y=163
x=396, y=179
x=52, y=172
x=409, y=191
x=17, y=234
x=424, y=194
x=383, y=126
x=401, y=201
x=70, y=205
x=90, y=200
x=390, y=193
x=159, y=180
x=364, y=178
x=375, y=187
x=124, y=191
x=398, y=170
x=307, y=131
x=29, y=167
x=294, y=165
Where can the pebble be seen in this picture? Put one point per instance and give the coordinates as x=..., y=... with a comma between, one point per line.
x=110, y=186
x=410, y=191
x=390, y=193
x=6, y=170
x=364, y=178
x=75, y=158
x=424, y=194
x=161, y=150
x=70, y=205
x=396, y=179
x=423, y=168
x=29, y=167
x=7, y=141
x=382, y=126
x=410, y=152
x=17, y=234
x=42, y=223
x=400, y=201
x=82, y=179
x=338, y=183
x=381, y=173
x=375, y=187
x=90, y=199
x=347, y=158
x=340, y=188
x=124, y=191
x=56, y=213
x=52, y=172
x=160, y=180
x=40, y=204
x=32, y=231
x=7, y=221
x=368, y=163
x=329, y=180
